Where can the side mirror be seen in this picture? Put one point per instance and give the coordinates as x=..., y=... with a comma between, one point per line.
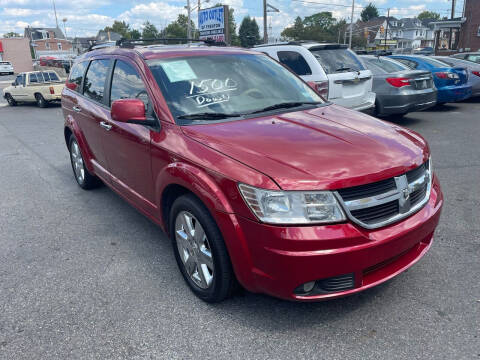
x=14, y=83
x=131, y=111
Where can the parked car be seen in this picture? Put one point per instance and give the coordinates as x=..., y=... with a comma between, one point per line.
x=6, y=68
x=472, y=68
x=451, y=82
x=253, y=175
x=399, y=89
x=424, y=51
x=469, y=56
x=41, y=87
x=337, y=71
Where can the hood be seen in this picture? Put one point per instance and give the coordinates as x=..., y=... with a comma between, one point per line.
x=324, y=148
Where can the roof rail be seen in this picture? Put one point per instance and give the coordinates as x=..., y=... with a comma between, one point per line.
x=131, y=43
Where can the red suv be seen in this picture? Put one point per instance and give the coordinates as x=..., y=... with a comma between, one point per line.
x=256, y=179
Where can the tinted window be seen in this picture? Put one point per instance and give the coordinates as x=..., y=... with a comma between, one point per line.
x=94, y=84
x=32, y=78
x=295, y=61
x=127, y=84
x=76, y=76
x=337, y=60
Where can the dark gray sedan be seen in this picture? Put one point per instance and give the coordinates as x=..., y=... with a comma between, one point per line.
x=399, y=89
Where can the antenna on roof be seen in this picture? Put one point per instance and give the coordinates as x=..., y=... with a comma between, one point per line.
x=55, y=11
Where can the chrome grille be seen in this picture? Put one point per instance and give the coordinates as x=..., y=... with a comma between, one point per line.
x=387, y=201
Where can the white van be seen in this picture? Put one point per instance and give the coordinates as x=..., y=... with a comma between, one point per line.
x=337, y=71
x=6, y=67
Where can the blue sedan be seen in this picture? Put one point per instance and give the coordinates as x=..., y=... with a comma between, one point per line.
x=451, y=82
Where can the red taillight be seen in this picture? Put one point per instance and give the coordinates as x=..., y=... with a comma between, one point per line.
x=322, y=88
x=441, y=75
x=398, y=82
x=52, y=90
x=476, y=73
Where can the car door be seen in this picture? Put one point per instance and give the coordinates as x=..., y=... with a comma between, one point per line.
x=91, y=112
x=18, y=91
x=127, y=146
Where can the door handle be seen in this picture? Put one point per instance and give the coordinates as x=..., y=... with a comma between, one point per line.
x=105, y=125
x=76, y=108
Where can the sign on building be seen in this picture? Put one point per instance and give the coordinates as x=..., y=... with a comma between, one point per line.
x=213, y=23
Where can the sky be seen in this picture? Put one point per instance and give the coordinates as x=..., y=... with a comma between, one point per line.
x=86, y=17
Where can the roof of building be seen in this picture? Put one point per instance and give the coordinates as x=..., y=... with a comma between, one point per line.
x=33, y=33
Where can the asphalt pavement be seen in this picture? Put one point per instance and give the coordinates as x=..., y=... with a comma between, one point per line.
x=85, y=276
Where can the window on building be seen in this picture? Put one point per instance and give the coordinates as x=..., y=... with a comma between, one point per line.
x=47, y=45
x=295, y=61
x=59, y=45
x=478, y=31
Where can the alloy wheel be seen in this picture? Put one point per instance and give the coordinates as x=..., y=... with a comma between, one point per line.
x=77, y=162
x=194, y=249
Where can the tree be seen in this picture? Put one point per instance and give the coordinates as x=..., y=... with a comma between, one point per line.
x=232, y=29
x=249, y=33
x=135, y=34
x=11, y=34
x=296, y=31
x=120, y=27
x=369, y=12
x=149, y=31
x=178, y=28
x=323, y=20
x=318, y=27
x=428, y=15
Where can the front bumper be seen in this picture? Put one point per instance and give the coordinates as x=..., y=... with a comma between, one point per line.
x=276, y=260
x=454, y=93
x=403, y=103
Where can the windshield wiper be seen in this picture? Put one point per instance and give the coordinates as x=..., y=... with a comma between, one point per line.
x=345, y=69
x=285, y=105
x=207, y=116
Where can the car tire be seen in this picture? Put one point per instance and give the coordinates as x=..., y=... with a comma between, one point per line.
x=83, y=177
x=11, y=101
x=197, y=241
x=41, y=102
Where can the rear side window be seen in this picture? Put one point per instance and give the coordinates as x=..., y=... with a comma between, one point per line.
x=32, y=78
x=76, y=76
x=295, y=61
x=336, y=61
x=53, y=76
x=94, y=84
x=127, y=84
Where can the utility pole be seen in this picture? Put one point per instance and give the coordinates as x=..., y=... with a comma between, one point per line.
x=55, y=11
x=451, y=29
x=386, y=28
x=265, y=32
x=189, y=10
x=351, y=25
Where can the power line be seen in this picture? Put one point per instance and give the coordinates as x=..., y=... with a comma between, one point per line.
x=356, y=6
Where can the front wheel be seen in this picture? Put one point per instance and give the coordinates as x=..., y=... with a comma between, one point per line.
x=200, y=251
x=41, y=102
x=11, y=101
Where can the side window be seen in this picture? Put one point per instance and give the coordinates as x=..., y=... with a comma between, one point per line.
x=53, y=76
x=18, y=80
x=32, y=78
x=127, y=84
x=295, y=61
x=76, y=76
x=94, y=84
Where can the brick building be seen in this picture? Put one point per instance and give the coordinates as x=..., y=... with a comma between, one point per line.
x=17, y=51
x=469, y=39
x=49, y=42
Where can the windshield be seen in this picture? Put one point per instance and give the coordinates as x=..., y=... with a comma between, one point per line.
x=436, y=63
x=223, y=86
x=337, y=60
x=386, y=66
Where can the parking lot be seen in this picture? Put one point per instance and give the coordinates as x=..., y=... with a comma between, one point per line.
x=84, y=275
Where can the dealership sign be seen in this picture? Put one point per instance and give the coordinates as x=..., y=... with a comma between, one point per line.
x=213, y=23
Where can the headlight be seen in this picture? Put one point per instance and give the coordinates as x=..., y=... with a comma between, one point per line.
x=292, y=207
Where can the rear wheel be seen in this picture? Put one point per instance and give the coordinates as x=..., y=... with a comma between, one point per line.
x=84, y=179
x=41, y=102
x=200, y=251
x=11, y=101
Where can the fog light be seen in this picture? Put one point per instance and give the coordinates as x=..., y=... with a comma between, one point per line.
x=305, y=288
